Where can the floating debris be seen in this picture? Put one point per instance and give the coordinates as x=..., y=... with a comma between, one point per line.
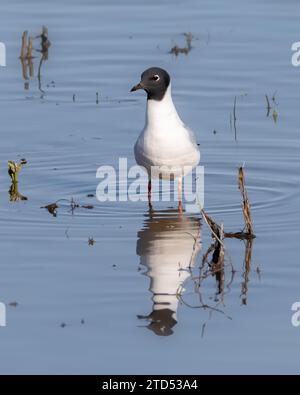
x=91, y=241
x=52, y=207
x=176, y=50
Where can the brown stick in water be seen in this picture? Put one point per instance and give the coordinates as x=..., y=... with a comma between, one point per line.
x=23, y=53
x=29, y=48
x=248, y=232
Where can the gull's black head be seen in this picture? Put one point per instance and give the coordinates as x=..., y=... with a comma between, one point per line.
x=155, y=82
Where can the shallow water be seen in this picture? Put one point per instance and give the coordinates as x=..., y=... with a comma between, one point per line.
x=107, y=293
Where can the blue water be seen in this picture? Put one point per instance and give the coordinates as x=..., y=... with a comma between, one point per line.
x=87, y=308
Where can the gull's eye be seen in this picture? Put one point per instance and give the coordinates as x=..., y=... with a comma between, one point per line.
x=156, y=77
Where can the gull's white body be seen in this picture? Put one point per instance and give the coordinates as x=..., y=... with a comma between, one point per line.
x=165, y=141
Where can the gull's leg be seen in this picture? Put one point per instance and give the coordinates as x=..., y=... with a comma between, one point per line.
x=180, y=195
x=149, y=194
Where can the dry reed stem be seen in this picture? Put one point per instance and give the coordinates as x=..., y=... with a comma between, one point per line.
x=218, y=233
x=29, y=48
x=24, y=45
x=246, y=203
x=247, y=232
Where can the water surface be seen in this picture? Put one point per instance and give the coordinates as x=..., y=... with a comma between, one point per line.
x=118, y=306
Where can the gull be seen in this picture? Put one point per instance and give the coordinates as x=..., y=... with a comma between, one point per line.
x=166, y=148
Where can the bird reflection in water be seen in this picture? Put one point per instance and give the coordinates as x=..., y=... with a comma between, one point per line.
x=168, y=246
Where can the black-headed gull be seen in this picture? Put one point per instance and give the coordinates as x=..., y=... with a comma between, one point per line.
x=166, y=148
